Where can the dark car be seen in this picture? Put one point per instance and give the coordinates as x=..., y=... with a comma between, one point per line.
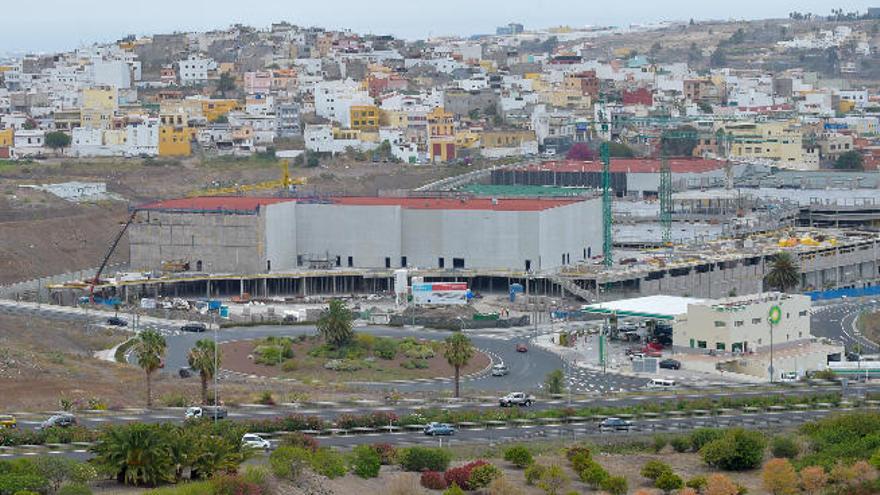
x=614, y=424
x=193, y=327
x=59, y=421
x=670, y=364
x=185, y=372
x=117, y=321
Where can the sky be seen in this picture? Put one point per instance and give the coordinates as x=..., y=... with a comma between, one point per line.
x=54, y=25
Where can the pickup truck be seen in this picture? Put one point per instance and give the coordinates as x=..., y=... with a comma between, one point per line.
x=516, y=399
x=213, y=412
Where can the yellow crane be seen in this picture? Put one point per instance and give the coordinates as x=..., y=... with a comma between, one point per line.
x=285, y=182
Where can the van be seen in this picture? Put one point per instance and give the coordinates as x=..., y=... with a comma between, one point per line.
x=661, y=383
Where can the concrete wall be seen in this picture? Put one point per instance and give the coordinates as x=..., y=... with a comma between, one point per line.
x=367, y=234
x=574, y=230
x=224, y=243
x=281, y=236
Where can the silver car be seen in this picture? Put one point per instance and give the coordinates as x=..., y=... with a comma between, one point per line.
x=500, y=370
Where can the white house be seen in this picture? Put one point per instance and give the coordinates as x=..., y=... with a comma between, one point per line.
x=194, y=70
x=29, y=142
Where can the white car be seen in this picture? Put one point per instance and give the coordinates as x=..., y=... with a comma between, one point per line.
x=255, y=441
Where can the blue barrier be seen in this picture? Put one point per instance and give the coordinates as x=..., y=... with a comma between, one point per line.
x=819, y=295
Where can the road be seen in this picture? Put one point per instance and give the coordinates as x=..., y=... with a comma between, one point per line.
x=836, y=321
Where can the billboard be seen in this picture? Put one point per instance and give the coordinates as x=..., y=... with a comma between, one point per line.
x=440, y=293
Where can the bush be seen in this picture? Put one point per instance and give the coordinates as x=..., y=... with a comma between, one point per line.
x=680, y=443
x=481, y=476
x=580, y=462
x=669, y=481
x=366, y=462
x=230, y=484
x=736, y=450
x=289, y=462
x=297, y=439
x=266, y=398
x=615, y=485
x=813, y=479
x=453, y=490
x=385, y=348
x=433, y=480
x=461, y=475
x=75, y=489
x=387, y=453
x=593, y=475
x=658, y=443
x=503, y=486
x=653, y=470
x=697, y=483
x=702, y=436
x=328, y=463
x=421, y=458
x=533, y=473
x=779, y=477
x=519, y=456
x=257, y=475
x=784, y=447
x=553, y=480
x=289, y=366
x=572, y=452
x=12, y=482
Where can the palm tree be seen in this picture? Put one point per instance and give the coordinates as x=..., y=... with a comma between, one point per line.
x=137, y=453
x=784, y=273
x=335, y=324
x=149, y=349
x=458, y=352
x=201, y=358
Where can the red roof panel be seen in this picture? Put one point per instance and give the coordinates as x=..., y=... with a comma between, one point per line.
x=214, y=203
x=632, y=165
x=514, y=204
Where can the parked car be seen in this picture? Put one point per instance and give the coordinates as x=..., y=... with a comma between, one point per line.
x=185, y=372
x=500, y=370
x=636, y=355
x=214, y=412
x=614, y=424
x=117, y=321
x=254, y=441
x=522, y=348
x=193, y=327
x=434, y=429
x=58, y=421
x=516, y=399
x=670, y=364
x=8, y=421
x=788, y=376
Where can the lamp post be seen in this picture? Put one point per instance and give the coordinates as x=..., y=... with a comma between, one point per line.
x=216, y=370
x=774, y=316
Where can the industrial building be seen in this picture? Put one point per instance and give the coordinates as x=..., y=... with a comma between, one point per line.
x=245, y=235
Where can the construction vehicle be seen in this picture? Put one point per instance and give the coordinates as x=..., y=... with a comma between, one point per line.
x=284, y=183
x=97, y=278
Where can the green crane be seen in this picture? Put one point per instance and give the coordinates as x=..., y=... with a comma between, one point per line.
x=607, y=217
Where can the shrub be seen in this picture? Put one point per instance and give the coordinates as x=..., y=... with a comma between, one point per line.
x=328, y=463
x=461, y=475
x=289, y=462
x=593, y=475
x=433, y=480
x=680, y=443
x=697, y=483
x=779, y=477
x=669, y=481
x=289, y=366
x=481, y=476
x=366, y=462
x=718, y=484
x=503, y=486
x=230, y=484
x=784, y=447
x=658, y=443
x=580, y=462
x=615, y=485
x=736, y=450
x=385, y=348
x=533, y=473
x=553, y=480
x=654, y=469
x=518, y=455
x=387, y=453
x=297, y=439
x=813, y=479
x=257, y=475
x=453, y=490
x=12, y=483
x=75, y=489
x=421, y=458
x=863, y=472
x=702, y=436
x=266, y=398
x=572, y=452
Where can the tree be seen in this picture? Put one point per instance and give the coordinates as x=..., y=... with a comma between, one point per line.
x=201, y=358
x=335, y=324
x=149, y=350
x=55, y=469
x=554, y=382
x=458, y=353
x=813, y=479
x=779, y=477
x=225, y=84
x=785, y=447
x=719, y=484
x=620, y=150
x=137, y=453
x=580, y=152
x=851, y=160
x=553, y=480
x=718, y=59
x=57, y=140
x=222, y=119
x=679, y=142
x=784, y=273
x=737, y=450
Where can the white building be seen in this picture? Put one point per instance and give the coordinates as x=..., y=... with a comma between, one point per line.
x=194, y=70
x=29, y=142
x=334, y=99
x=142, y=139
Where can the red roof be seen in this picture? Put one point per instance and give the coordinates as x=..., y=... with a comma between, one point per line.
x=514, y=204
x=214, y=203
x=633, y=165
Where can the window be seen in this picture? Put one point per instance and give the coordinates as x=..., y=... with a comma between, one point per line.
x=457, y=262
x=720, y=323
x=350, y=261
x=403, y=261
x=802, y=313
x=701, y=344
x=738, y=323
x=756, y=321
x=339, y=261
x=528, y=265
x=441, y=263
x=387, y=262
x=720, y=346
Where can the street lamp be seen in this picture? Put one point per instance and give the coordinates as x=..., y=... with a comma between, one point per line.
x=774, y=316
x=216, y=370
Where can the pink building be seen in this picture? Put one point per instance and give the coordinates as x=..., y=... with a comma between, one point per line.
x=259, y=82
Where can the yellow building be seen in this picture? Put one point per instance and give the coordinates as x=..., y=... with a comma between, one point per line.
x=214, y=109
x=175, y=135
x=506, y=139
x=98, y=107
x=467, y=139
x=441, y=135
x=365, y=117
x=567, y=98
x=6, y=137
x=780, y=141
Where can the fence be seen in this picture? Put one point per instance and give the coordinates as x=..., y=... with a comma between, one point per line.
x=820, y=295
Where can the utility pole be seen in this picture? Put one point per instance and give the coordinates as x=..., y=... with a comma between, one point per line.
x=666, y=202
x=216, y=370
x=607, y=218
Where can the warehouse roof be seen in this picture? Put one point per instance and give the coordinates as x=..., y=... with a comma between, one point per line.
x=631, y=165
x=507, y=204
x=214, y=203
x=656, y=307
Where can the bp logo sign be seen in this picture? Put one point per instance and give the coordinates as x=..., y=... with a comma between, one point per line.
x=775, y=315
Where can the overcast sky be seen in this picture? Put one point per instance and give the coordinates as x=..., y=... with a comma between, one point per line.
x=46, y=25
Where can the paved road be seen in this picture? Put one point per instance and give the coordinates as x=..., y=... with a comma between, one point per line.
x=836, y=321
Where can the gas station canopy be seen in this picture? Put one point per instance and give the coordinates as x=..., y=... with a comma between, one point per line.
x=653, y=307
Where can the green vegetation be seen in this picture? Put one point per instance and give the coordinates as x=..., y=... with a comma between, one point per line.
x=554, y=383
x=122, y=350
x=458, y=352
x=335, y=324
x=844, y=438
x=784, y=273
x=273, y=350
x=851, y=160
x=784, y=446
x=424, y=458
x=201, y=358
x=736, y=450
x=149, y=350
x=365, y=461
x=519, y=456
